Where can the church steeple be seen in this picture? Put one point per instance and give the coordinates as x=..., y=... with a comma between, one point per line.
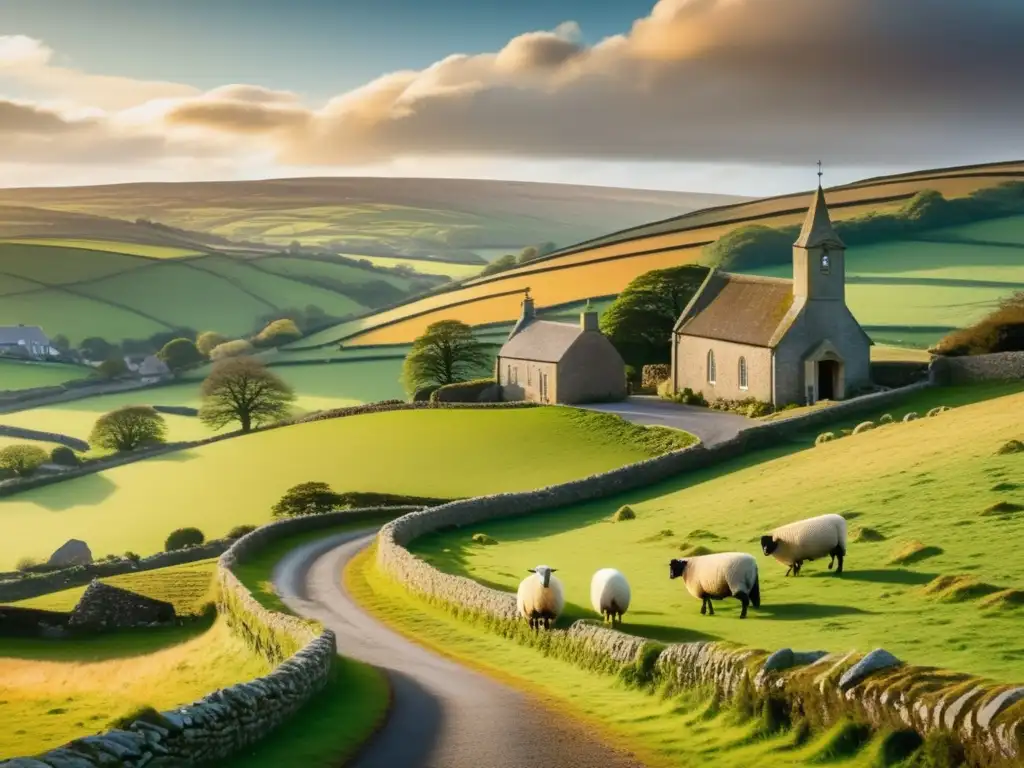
x=819, y=268
x=817, y=229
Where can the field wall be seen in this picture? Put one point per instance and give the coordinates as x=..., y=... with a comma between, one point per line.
x=986, y=719
x=1001, y=366
x=228, y=720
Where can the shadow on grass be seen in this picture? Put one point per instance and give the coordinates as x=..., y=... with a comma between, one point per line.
x=881, y=576
x=796, y=611
x=85, y=491
x=102, y=647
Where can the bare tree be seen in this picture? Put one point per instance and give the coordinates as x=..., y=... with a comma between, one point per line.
x=242, y=389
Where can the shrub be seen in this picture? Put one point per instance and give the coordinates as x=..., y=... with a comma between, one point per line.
x=310, y=498
x=868, y=535
x=240, y=530
x=128, y=428
x=757, y=409
x=208, y=341
x=228, y=349
x=624, y=512
x=183, y=538
x=864, y=426
x=27, y=564
x=422, y=395
x=688, y=397
x=483, y=538
x=133, y=556
x=652, y=375
x=825, y=437
x=912, y=416
x=277, y=333
x=179, y=354
x=1011, y=446
x=63, y=456
x=886, y=418
x=476, y=391
x=23, y=460
x=937, y=410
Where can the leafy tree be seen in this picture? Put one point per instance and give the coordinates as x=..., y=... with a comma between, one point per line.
x=639, y=322
x=128, y=428
x=306, y=499
x=22, y=460
x=446, y=353
x=94, y=348
x=754, y=245
x=506, y=262
x=180, y=354
x=242, y=389
x=182, y=538
x=64, y=457
x=111, y=368
x=160, y=339
x=208, y=340
x=235, y=348
x=277, y=333
x=532, y=252
x=61, y=342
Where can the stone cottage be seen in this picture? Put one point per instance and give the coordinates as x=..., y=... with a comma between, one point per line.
x=551, y=362
x=777, y=340
x=26, y=341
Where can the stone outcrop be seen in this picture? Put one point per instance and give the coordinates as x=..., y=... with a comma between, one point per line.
x=104, y=606
x=71, y=552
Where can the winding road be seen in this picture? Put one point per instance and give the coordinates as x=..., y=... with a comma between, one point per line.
x=709, y=425
x=443, y=715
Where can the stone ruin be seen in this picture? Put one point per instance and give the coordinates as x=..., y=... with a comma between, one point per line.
x=107, y=607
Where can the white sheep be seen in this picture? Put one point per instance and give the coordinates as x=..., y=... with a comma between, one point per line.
x=609, y=594
x=540, y=597
x=714, y=577
x=808, y=539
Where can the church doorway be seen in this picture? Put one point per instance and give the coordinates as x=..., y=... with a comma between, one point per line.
x=828, y=379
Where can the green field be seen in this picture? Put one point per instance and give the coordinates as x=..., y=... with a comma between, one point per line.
x=316, y=269
x=454, y=270
x=15, y=374
x=188, y=587
x=132, y=249
x=439, y=454
x=922, y=487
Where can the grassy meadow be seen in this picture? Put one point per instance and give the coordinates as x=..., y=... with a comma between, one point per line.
x=146, y=250
x=935, y=518
x=439, y=454
x=456, y=270
x=15, y=374
x=52, y=692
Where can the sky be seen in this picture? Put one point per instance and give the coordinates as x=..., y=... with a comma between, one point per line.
x=731, y=96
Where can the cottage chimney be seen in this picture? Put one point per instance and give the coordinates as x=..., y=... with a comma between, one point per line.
x=588, y=318
x=528, y=312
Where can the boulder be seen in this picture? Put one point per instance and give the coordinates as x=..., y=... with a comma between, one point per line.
x=997, y=704
x=874, y=661
x=71, y=552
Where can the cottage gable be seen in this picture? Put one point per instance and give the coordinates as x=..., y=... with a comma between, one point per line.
x=738, y=308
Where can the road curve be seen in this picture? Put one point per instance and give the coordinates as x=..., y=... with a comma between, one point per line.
x=443, y=715
x=709, y=425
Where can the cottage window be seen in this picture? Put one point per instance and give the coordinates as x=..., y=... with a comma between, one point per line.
x=743, y=373
x=528, y=377
x=508, y=375
x=712, y=374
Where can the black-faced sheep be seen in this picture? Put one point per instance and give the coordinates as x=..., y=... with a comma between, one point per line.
x=715, y=577
x=609, y=594
x=808, y=539
x=540, y=597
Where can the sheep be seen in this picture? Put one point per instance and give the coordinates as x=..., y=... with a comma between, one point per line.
x=808, y=539
x=609, y=594
x=714, y=577
x=540, y=597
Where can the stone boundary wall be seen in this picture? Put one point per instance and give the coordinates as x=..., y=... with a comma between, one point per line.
x=47, y=437
x=228, y=720
x=986, y=718
x=1000, y=366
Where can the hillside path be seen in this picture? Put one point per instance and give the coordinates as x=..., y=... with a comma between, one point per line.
x=443, y=715
x=710, y=426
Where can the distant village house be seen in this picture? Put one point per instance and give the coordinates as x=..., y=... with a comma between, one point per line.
x=27, y=341
x=551, y=362
x=776, y=340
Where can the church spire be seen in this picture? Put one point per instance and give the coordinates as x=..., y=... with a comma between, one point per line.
x=817, y=229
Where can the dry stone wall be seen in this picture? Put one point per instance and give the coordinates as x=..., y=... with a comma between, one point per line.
x=1000, y=366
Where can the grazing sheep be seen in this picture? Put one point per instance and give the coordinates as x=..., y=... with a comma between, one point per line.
x=808, y=539
x=609, y=594
x=714, y=577
x=540, y=597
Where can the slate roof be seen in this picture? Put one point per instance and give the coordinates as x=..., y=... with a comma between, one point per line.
x=542, y=340
x=153, y=366
x=738, y=308
x=817, y=229
x=12, y=334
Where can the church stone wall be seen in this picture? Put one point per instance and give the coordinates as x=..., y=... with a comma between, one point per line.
x=526, y=375
x=692, y=361
x=591, y=371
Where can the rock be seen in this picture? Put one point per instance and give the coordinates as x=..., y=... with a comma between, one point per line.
x=997, y=704
x=781, y=659
x=876, y=660
x=23, y=762
x=957, y=706
x=71, y=552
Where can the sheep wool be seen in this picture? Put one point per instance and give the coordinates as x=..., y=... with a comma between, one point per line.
x=714, y=577
x=540, y=597
x=808, y=539
x=609, y=594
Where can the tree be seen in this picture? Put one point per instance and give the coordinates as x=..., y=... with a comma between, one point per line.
x=306, y=499
x=242, y=389
x=61, y=342
x=446, y=353
x=533, y=252
x=508, y=261
x=208, y=340
x=180, y=354
x=94, y=348
x=22, y=460
x=277, y=333
x=639, y=322
x=111, y=368
x=128, y=428
x=183, y=538
x=235, y=348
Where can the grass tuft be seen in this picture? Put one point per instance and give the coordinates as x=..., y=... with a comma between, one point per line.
x=864, y=426
x=938, y=409
x=885, y=418
x=866, y=535
x=694, y=550
x=1002, y=487
x=1002, y=508
x=483, y=538
x=1007, y=598
x=844, y=740
x=825, y=437
x=959, y=588
x=625, y=512
x=1011, y=446
x=914, y=552
x=665, y=533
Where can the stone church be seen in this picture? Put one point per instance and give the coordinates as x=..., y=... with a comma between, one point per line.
x=779, y=341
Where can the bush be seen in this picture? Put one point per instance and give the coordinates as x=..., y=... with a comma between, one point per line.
x=133, y=556
x=624, y=512
x=240, y=530
x=937, y=410
x=22, y=460
x=864, y=426
x=483, y=538
x=63, y=456
x=310, y=498
x=236, y=348
x=179, y=354
x=825, y=437
x=652, y=375
x=886, y=418
x=422, y=395
x=688, y=397
x=208, y=341
x=910, y=417
x=476, y=391
x=183, y=538
x=27, y=564
x=277, y=333
x=1011, y=446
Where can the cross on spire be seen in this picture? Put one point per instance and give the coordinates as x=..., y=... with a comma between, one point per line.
x=819, y=173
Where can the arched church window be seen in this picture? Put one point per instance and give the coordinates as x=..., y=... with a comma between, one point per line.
x=826, y=262
x=712, y=373
x=743, y=373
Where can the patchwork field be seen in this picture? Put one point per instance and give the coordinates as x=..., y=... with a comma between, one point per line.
x=132, y=249
x=235, y=482
x=22, y=375
x=936, y=516
x=453, y=269
x=51, y=693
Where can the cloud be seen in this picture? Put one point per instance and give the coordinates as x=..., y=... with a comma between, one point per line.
x=758, y=80
x=16, y=118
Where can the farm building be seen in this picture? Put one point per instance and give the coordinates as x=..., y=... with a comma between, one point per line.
x=25, y=341
x=550, y=362
x=153, y=369
x=776, y=340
